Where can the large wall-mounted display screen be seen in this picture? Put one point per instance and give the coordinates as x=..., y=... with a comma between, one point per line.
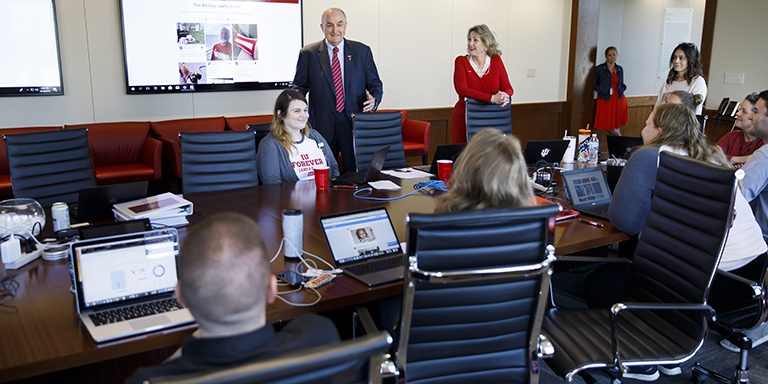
x=210, y=45
x=31, y=64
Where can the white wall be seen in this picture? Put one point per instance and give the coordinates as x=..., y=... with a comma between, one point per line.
x=738, y=46
x=635, y=28
x=414, y=44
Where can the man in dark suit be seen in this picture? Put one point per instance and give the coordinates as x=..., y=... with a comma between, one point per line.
x=342, y=79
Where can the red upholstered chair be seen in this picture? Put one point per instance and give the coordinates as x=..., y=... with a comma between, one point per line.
x=123, y=152
x=239, y=123
x=5, y=174
x=415, y=136
x=168, y=133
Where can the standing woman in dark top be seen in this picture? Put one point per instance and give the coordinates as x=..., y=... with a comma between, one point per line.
x=611, y=103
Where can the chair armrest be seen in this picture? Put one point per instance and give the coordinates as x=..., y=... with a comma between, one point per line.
x=758, y=290
x=744, y=308
x=587, y=259
x=172, y=153
x=151, y=154
x=388, y=368
x=416, y=131
x=362, y=314
x=619, y=307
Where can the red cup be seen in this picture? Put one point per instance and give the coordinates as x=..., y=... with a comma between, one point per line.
x=321, y=177
x=444, y=169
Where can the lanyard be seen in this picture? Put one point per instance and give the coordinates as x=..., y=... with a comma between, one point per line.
x=742, y=145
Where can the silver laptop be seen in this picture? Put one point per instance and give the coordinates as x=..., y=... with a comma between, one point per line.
x=588, y=191
x=124, y=284
x=364, y=244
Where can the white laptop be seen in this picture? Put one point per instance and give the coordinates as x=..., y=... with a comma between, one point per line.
x=124, y=284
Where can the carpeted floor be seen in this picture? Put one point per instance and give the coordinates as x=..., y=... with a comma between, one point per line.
x=711, y=355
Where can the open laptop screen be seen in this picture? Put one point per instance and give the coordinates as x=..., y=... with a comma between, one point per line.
x=360, y=235
x=587, y=187
x=121, y=268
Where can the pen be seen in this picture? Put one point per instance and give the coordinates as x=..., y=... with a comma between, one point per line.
x=596, y=224
x=344, y=187
x=402, y=170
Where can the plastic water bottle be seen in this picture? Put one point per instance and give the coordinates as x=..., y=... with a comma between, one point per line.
x=594, y=147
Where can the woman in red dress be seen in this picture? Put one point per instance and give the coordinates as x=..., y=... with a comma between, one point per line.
x=611, y=103
x=480, y=75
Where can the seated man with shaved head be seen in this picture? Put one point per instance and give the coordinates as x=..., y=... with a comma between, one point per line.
x=226, y=281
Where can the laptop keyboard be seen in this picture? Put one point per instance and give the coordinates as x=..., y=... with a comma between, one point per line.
x=376, y=266
x=600, y=211
x=135, y=311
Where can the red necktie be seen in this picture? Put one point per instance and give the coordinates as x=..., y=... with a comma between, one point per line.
x=338, y=85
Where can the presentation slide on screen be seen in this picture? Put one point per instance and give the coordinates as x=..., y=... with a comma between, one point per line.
x=353, y=238
x=29, y=36
x=126, y=272
x=182, y=44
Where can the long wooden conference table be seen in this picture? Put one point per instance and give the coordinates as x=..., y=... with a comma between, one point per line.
x=40, y=331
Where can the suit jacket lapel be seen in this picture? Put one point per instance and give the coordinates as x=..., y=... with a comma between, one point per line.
x=325, y=63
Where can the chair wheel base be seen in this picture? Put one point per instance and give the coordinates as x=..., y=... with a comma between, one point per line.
x=700, y=374
x=698, y=377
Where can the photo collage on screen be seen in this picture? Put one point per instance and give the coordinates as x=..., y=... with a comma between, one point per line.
x=589, y=189
x=216, y=53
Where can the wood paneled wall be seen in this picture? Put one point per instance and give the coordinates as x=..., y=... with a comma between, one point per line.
x=638, y=109
x=534, y=121
x=548, y=121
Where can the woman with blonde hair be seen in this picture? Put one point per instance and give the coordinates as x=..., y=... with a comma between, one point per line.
x=480, y=74
x=489, y=173
x=292, y=149
x=674, y=128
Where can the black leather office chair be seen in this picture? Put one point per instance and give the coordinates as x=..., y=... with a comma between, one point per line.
x=215, y=161
x=481, y=115
x=475, y=292
x=50, y=166
x=375, y=130
x=260, y=131
x=347, y=362
x=745, y=309
x=664, y=321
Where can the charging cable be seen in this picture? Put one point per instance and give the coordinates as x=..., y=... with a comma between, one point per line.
x=310, y=270
x=319, y=296
x=430, y=185
x=8, y=289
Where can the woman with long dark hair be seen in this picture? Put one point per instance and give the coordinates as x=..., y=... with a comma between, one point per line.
x=685, y=74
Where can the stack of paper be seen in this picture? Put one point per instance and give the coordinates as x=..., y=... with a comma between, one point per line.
x=165, y=209
x=407, y=173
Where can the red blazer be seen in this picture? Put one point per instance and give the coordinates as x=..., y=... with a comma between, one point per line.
x=469, y=84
